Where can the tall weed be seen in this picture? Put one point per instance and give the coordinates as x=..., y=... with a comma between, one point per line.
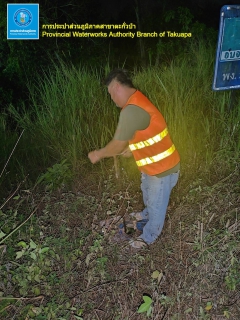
x=71, y=112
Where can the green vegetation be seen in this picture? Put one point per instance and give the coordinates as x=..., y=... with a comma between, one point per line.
x=55, y=261
x=71, y=114
x=146, y=306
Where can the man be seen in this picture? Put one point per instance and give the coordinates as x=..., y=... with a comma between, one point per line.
x=142, y=127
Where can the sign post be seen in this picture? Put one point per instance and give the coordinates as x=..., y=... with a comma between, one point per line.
x=227, y=66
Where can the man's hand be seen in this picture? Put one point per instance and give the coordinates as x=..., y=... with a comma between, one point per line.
x=93, y=156
x=113, y=148
x=127, y=153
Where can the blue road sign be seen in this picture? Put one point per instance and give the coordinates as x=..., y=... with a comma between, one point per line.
x=227, y=66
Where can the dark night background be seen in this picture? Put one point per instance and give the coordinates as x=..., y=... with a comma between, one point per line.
x=21, y=60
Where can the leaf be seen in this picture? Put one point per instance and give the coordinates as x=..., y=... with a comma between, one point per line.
x=29, y=277
x=155, y=274
x=146, y=305
x=22, y=244
x=33, y=244
x=226, y=314
x=19, y=254
x=16, y=198
x=143, y=307
x=149, y=311
x=73, y=308
x=43, y=250
x=188, y=310
x=37, y=278
x=209, y=306
x=147, y=299
x=2, y=234
x=33, y=255
x=36, y=291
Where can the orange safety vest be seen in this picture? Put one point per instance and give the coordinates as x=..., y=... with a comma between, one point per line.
x=152, y=148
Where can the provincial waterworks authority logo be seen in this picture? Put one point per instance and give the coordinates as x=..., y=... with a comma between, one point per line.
x=22, y=21
x=23, y=17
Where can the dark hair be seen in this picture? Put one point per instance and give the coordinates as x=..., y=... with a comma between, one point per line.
x=119, y=75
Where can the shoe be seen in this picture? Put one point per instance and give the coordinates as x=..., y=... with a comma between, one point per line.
x=136, y=216
x=128, y=225
x=136, y=225
x=138, y=243
x=141, y=223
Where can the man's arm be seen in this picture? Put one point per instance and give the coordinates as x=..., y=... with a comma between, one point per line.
x=113, y=148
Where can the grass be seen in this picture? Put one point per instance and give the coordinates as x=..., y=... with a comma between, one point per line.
x=65, y=109
x=58, y=264
x=72, y=114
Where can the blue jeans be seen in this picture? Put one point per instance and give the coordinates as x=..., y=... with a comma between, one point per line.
x=156, y=194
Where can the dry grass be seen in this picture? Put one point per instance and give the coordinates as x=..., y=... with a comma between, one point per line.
x=197, y=253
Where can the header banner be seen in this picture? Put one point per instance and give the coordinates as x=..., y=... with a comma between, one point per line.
x=227, y=66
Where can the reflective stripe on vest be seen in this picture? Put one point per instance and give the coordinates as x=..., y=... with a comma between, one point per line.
x=150, y=141
x=156, y=158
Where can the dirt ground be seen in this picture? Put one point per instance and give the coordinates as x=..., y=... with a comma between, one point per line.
x=190, y=272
